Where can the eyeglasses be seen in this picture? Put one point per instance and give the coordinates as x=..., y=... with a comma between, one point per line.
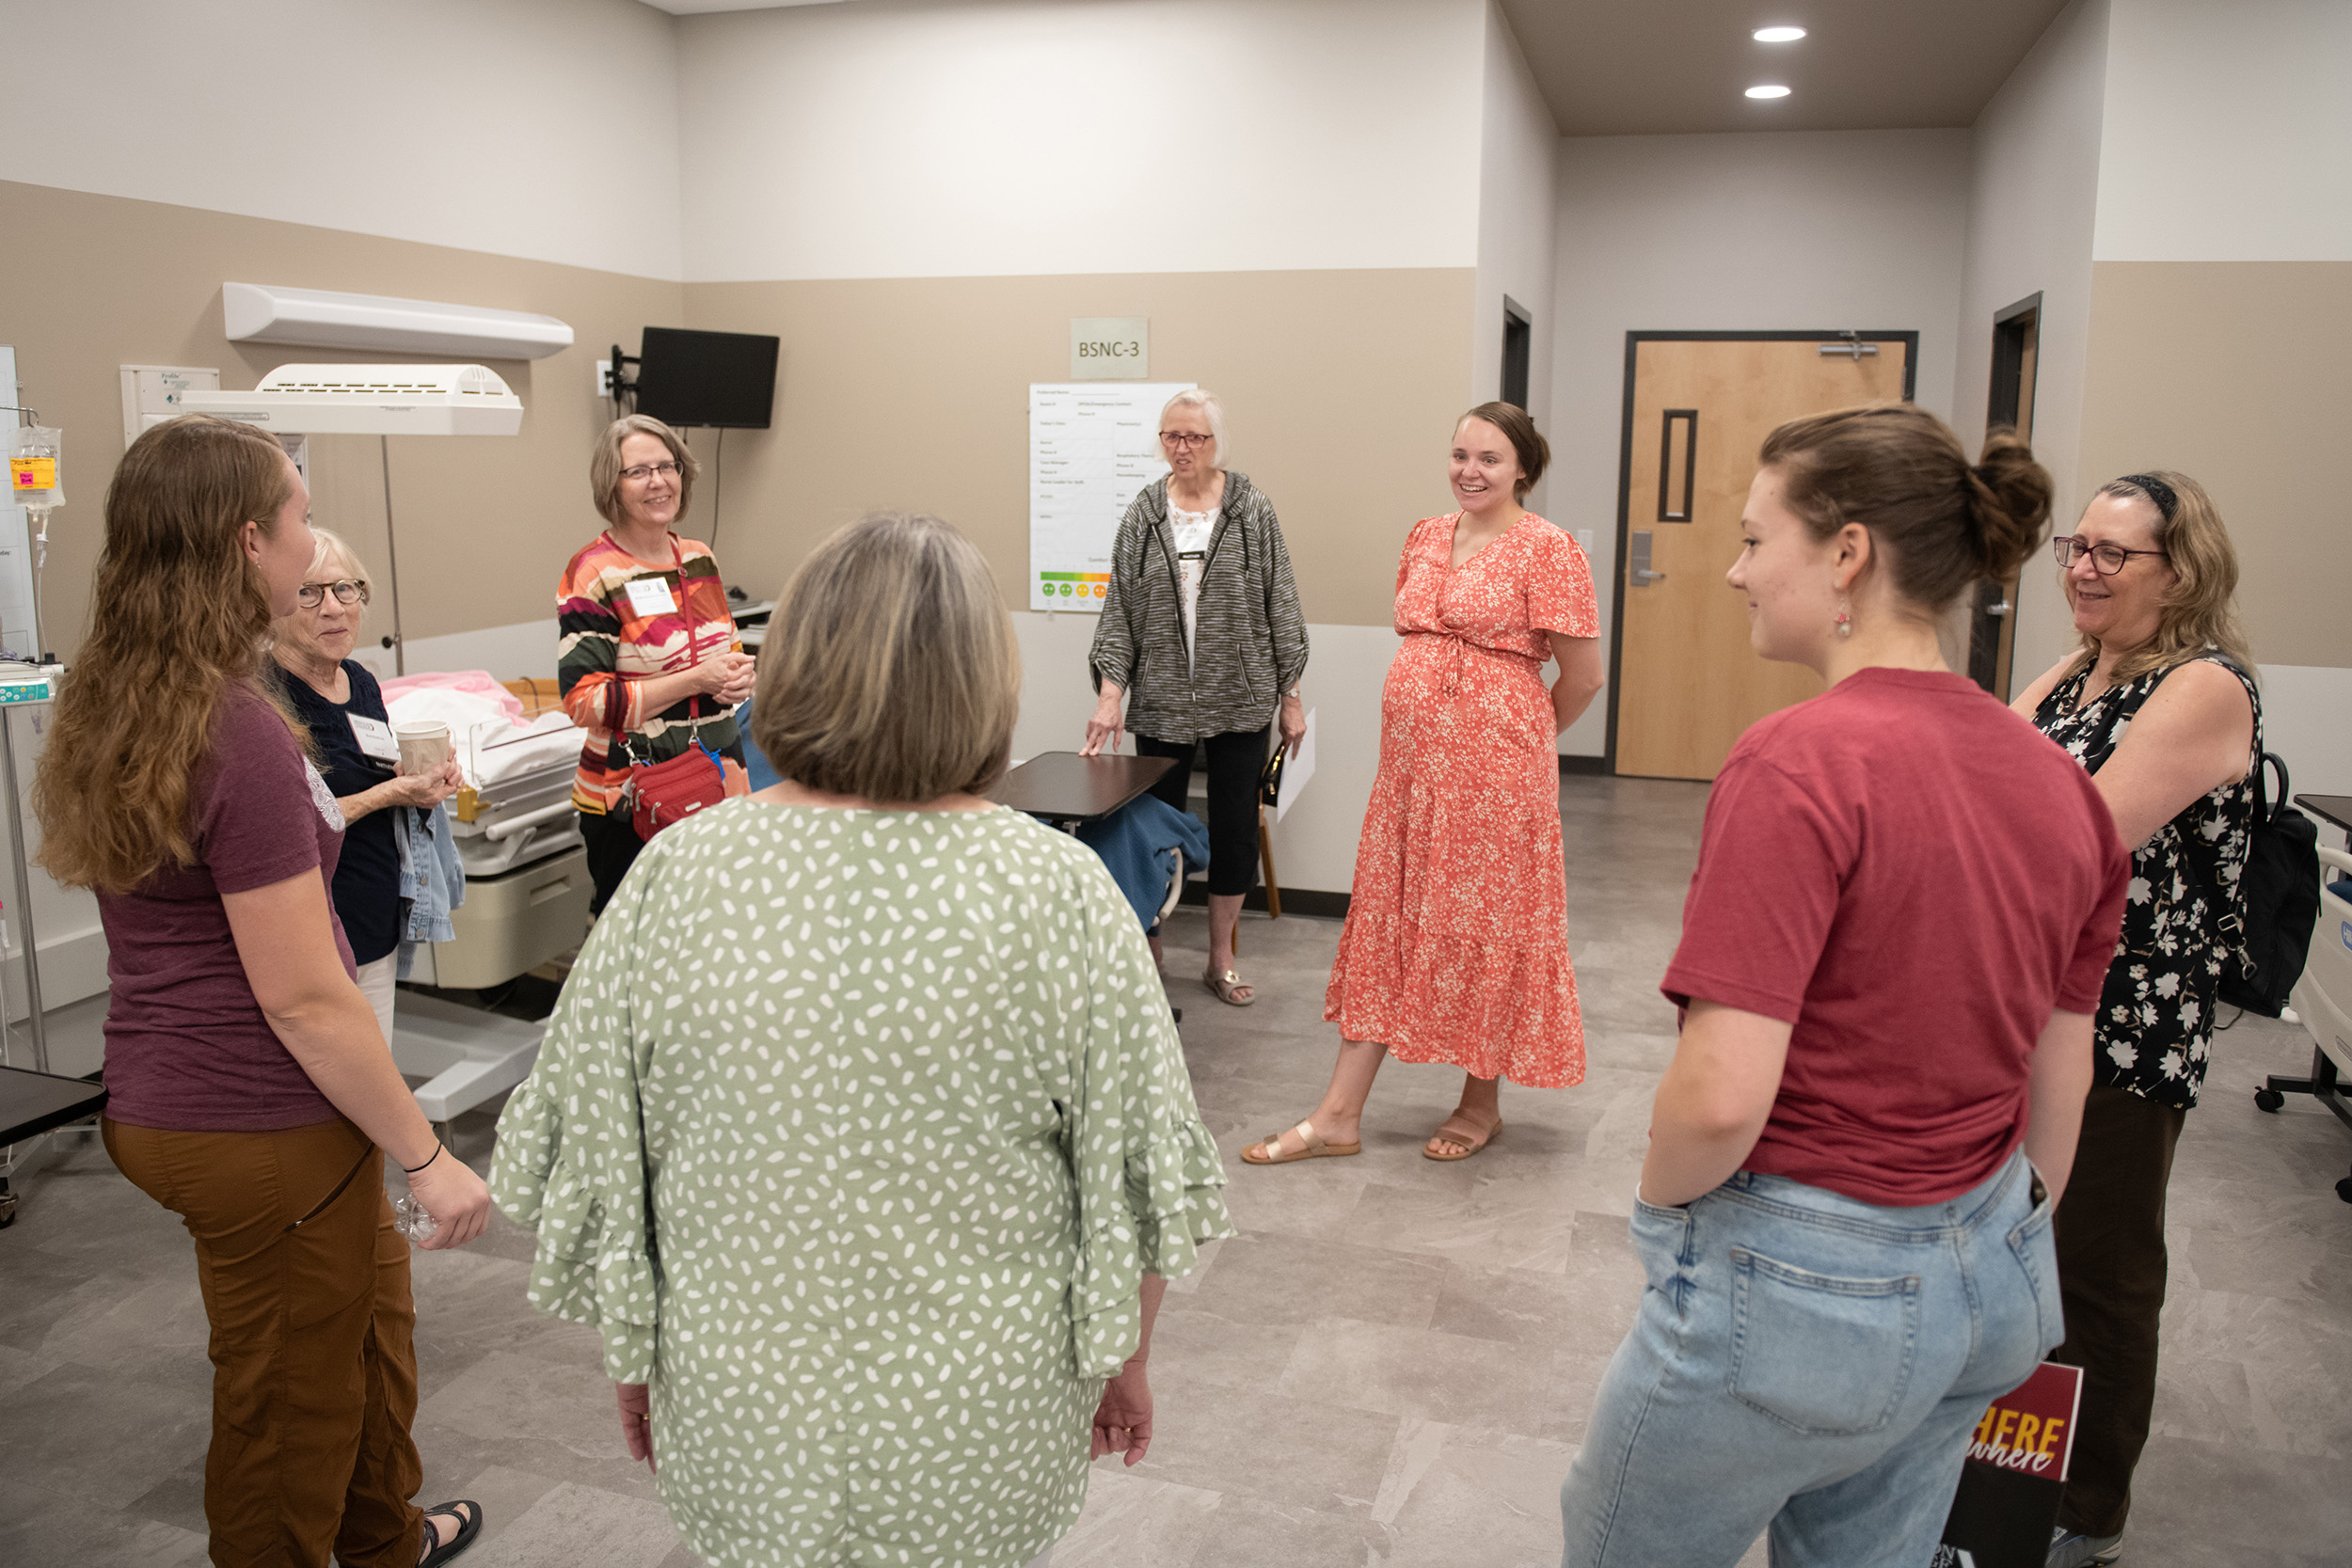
x=645, y=472
x=1184, y=438
x=346, y=590
x=2107, y=560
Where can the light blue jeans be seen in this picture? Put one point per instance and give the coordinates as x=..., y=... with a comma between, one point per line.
x=1810, y=1362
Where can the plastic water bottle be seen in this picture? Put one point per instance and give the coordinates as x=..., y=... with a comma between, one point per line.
x=411, y=1220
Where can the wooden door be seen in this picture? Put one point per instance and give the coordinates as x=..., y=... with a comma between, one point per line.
x=1688, y=682
x=1992, y=614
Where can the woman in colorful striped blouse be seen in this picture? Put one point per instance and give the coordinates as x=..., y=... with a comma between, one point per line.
x=649, y=662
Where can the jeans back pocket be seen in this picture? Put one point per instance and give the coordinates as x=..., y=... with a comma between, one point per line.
x=2034, y=1246
x=1823, y=1355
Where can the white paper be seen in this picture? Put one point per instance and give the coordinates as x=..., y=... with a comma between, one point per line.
x=1296, y=771
x=1092, y=445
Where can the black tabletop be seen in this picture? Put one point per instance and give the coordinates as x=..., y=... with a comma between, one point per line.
x=2332, y=808
x=1063, y=786
x=33, y=1103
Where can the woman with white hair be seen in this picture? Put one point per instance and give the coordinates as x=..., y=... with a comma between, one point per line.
x=337, y=699
x=1201, y=635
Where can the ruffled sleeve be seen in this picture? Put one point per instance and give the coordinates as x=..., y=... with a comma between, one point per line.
x=570, y=1162
x=1150, y=1181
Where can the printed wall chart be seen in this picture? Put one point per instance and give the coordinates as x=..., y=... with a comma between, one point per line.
x=1092, y=445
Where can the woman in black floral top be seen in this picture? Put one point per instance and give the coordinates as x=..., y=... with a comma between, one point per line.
x=2158, y=702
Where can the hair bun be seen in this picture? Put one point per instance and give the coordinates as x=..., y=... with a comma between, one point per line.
x=2008, y=503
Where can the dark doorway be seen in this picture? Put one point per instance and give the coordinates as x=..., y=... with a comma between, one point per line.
x=1519, y=338
x=2008, y=402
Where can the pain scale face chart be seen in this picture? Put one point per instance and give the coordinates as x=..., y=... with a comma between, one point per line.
x=1092, y=445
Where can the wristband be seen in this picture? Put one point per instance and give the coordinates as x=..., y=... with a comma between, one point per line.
x=437, y=1146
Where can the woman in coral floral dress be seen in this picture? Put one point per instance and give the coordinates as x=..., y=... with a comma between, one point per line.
x=1456, y=948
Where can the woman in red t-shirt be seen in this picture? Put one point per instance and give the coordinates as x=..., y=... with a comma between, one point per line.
x=249, y=1090
x=1905, y=906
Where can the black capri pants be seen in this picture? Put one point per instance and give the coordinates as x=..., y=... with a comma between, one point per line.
x=1235, y=760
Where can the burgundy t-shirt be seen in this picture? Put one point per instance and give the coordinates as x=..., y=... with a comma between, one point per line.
x=186, y=1045
x=1914, y=878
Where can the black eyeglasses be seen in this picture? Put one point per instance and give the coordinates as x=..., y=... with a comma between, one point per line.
x=346, y=590
x=1184, y=438
x=2107, y=560
x=645, y=472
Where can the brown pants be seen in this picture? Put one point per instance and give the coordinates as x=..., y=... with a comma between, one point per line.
x=314, y=1369
x=2111, y=1272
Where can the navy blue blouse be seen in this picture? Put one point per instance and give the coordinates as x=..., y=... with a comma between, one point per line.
x=366, y=880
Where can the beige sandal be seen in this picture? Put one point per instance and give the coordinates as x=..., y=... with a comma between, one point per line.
x=1223, y=986
x=1311, y=1146
x=1475, y=1142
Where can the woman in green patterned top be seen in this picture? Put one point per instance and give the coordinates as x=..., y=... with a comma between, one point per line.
x=861, y=1132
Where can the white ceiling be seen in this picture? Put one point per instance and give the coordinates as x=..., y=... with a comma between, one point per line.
x=1648, y=66
x=696, y=8
x=1634, y=67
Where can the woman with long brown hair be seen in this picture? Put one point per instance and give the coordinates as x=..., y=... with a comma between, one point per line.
x=251, y=1090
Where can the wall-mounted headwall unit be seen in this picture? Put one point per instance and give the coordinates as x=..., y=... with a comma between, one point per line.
x=370, y=400
x=319, y=318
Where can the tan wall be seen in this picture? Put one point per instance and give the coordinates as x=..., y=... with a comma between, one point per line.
x=2234, y=373
x=1340, y=390
x=485, y=524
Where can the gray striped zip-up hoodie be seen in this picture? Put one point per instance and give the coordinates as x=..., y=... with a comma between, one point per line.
x=1252, y=640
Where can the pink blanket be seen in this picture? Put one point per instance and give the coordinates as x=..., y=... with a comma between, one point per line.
x=475, y=683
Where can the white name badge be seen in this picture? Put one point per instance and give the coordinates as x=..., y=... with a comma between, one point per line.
x=651, y=596
x=376, y=738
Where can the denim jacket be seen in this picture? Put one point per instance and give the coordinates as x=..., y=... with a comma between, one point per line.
x=432, y=883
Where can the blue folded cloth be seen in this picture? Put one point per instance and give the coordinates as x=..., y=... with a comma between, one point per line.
x=755, y=760
x=1140, y=842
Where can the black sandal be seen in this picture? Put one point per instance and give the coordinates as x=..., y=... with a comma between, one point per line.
x=469, y=1526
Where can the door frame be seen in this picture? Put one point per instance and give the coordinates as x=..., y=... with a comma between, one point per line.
x=1633, y=341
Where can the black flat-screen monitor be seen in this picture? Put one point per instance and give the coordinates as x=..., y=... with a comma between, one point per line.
x=727, y=379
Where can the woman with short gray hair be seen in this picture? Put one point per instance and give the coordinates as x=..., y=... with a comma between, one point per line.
x=1201, y=634
x=337, y=699
x=861, y=1131
x=648, y=658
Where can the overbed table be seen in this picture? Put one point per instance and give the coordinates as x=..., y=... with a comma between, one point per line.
x=1065, y=788
x=32, y=1103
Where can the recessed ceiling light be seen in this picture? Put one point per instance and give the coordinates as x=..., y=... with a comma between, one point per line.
x=1778, y=35
x=1768, y=91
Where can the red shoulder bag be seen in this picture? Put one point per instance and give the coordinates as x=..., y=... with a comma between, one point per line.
x=660, y=793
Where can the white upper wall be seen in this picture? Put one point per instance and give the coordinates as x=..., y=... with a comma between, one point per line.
x=2228, y=131
x=2035, y=190
x=1795, y=231
x=1518, y=222
x=544, y=129
x=1004, y=137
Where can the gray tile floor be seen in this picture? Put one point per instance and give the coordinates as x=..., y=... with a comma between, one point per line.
x=1391, y=1366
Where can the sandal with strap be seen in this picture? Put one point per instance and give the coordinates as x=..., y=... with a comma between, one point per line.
x=1311, y=1146
x=1223, y=986
x=468, y=1517
x=1474, y=1142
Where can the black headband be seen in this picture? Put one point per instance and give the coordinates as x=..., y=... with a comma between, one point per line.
x=2156, y=490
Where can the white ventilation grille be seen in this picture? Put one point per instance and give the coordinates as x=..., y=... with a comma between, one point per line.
x=376, y=381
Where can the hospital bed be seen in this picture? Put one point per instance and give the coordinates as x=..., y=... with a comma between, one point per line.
x=527, y=893
x=2323, y=1000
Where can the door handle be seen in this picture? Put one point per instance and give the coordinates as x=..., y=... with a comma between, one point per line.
x=1637, y=567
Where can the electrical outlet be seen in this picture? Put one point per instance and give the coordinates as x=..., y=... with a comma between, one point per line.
x=604, y=378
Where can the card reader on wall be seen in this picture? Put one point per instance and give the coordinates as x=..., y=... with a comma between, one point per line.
x=370, y=400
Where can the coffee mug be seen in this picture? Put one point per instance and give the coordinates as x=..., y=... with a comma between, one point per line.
x=423, y=747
